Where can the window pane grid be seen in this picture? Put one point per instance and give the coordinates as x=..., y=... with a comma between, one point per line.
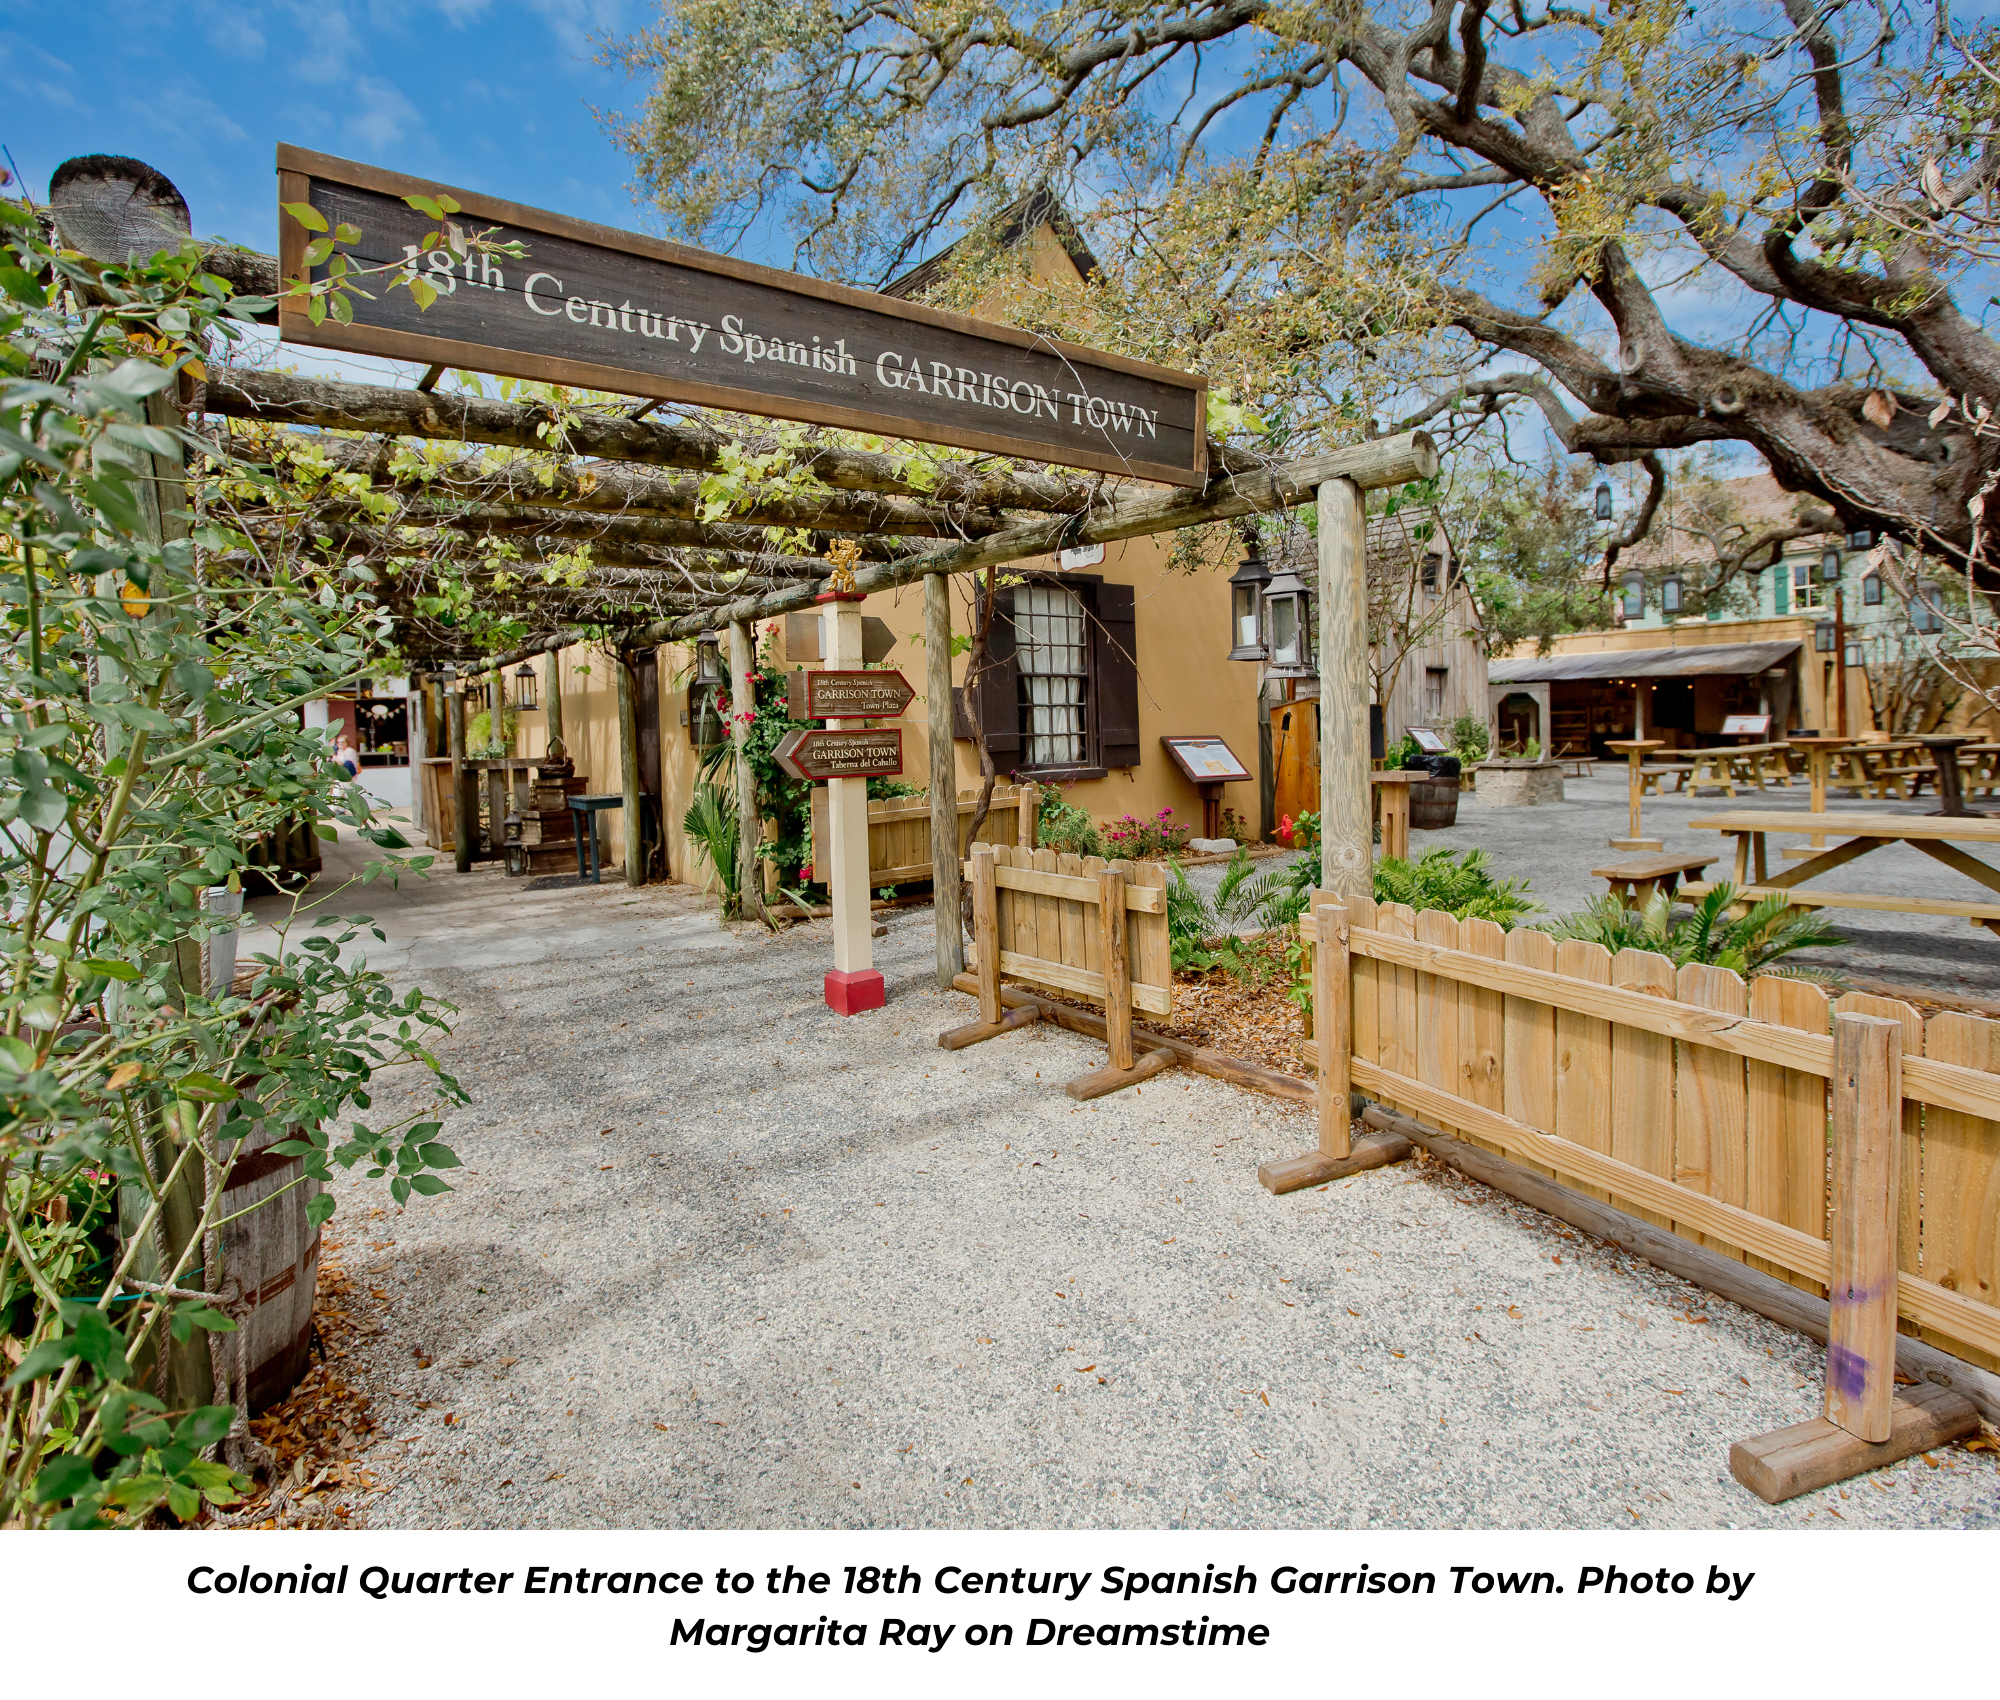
x=1049, y=647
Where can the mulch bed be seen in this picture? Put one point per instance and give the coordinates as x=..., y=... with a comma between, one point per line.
x=1254, y=1022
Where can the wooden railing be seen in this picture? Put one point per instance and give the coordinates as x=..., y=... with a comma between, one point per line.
x=1683, y=1095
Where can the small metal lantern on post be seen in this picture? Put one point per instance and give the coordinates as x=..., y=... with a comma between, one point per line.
x=1823, y=637
x=708, y=660
x=526, y=685
x=1287, y=629
x=1246, y=605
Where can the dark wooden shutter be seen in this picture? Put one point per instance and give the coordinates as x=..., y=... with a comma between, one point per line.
x=998, y=695
x=1115, y=674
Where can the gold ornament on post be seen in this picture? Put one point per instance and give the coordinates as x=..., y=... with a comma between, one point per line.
x=842, y=556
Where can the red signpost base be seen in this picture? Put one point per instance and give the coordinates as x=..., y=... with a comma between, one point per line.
x=851, y=991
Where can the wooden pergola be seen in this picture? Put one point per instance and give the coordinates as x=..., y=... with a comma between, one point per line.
x=606, y=537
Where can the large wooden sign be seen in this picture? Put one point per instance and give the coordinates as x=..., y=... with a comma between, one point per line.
x=607, y=309
x=839, y=693
x=821, y=755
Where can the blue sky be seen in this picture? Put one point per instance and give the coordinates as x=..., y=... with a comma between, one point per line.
x=488, y=94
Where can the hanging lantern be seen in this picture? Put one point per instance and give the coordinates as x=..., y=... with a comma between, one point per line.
x=1670, y=597
x=1635, y=597
x=1246, y=605
x=708, y=659
x=1852, y=655
x=1604, y=501
x=1823, y=637
x=525, y=687
x=1287, y=627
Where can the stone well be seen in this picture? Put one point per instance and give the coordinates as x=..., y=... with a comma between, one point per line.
x=1507, y=783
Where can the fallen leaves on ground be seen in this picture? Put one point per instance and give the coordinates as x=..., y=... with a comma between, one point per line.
x=320, y=1431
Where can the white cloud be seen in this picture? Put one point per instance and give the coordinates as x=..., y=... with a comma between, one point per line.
x=382, y=114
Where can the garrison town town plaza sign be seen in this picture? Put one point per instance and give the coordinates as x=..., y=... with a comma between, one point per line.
x=606, y=309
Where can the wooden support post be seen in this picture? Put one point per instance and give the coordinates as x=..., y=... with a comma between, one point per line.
x=1117, y=971
x=1346, y=837
x=945, y=899
x=1333, y=1022
x=464, y=782
x=986, y=931
x=743, y=700
x=1028, y=814
x=1333, y=1019
x=1100, y=1082
x=975, y=1031
x=854, y=984
x=552, y=693
x=1867, y=1142
x=1867, y=1423
x=628, y=774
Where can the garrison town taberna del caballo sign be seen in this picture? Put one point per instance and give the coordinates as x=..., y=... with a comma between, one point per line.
x=607, y=309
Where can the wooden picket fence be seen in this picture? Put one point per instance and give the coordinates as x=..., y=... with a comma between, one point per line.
x=1682, y=1096
x=899, y=829
x=1074, y=924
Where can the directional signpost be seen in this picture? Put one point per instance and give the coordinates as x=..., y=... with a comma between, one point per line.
x=822, y=755
x=838, y=693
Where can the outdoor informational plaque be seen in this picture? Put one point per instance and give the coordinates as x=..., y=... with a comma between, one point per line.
x=841, y=755
x=1207, y=761
x=837, y=693
x=1746, y=725
x=608, y=309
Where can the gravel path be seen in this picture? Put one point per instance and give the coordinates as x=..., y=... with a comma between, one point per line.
x=720, y=1258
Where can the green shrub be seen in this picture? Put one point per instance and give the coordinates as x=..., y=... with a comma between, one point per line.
x=1146, y=840
x=1460, y=881
x=1202, y=930
x=1751, y=944
x=711, y=822
x=1063, y=827
x=1469, y=738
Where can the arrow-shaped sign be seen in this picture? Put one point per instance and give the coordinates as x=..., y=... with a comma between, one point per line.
x=838, y=693
x=820, y=754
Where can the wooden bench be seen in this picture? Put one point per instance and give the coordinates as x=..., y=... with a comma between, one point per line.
x=1633, y=883
x=1653, y=772
x=1985, y=915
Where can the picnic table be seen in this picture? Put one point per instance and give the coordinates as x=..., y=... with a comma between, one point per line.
x=1936, y=836
x=1724, y=765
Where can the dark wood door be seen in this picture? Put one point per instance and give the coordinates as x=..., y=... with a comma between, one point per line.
x=646, y=677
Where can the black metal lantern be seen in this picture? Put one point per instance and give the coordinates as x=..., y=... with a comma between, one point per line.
x=708, y=659
x=1288, y=627
x=1635, y=597
x=1829, y=567
x=1604, y=501
x=1670, y=597
x=1246, y=606
x=525, y=687
x=1852, y=654
x=1824, y=634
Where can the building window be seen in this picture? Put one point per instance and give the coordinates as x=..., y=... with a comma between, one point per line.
x=1435, y=681
x=1050, y=634
x=1807, y=592
x=1871, y=590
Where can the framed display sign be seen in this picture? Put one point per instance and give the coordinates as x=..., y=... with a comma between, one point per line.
x=608, y=309
x=1746, y=725
x=1431, y=743
x=1207, y=761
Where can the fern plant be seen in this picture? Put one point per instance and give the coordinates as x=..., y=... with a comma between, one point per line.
x=711, y=823
x=1751, y=944
x=1460, y=881
x=1202, y=930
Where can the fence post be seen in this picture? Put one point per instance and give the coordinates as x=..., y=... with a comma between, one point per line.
x=1117, y=973
x=945, y=916
x=1029, y=805
x=986, y=931
x=1867, y=1146
x=1333, y=1025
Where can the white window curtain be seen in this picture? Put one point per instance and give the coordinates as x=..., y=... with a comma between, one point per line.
x=1049, y=647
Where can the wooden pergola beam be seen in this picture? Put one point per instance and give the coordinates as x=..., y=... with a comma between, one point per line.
x=285, y=398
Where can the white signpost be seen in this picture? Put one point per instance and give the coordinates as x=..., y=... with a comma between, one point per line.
x=854, y=983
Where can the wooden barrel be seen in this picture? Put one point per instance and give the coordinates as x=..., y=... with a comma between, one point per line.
x=1434, y=803
x=273, y=1257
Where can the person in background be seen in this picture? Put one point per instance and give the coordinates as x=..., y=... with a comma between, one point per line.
x=347, y=755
